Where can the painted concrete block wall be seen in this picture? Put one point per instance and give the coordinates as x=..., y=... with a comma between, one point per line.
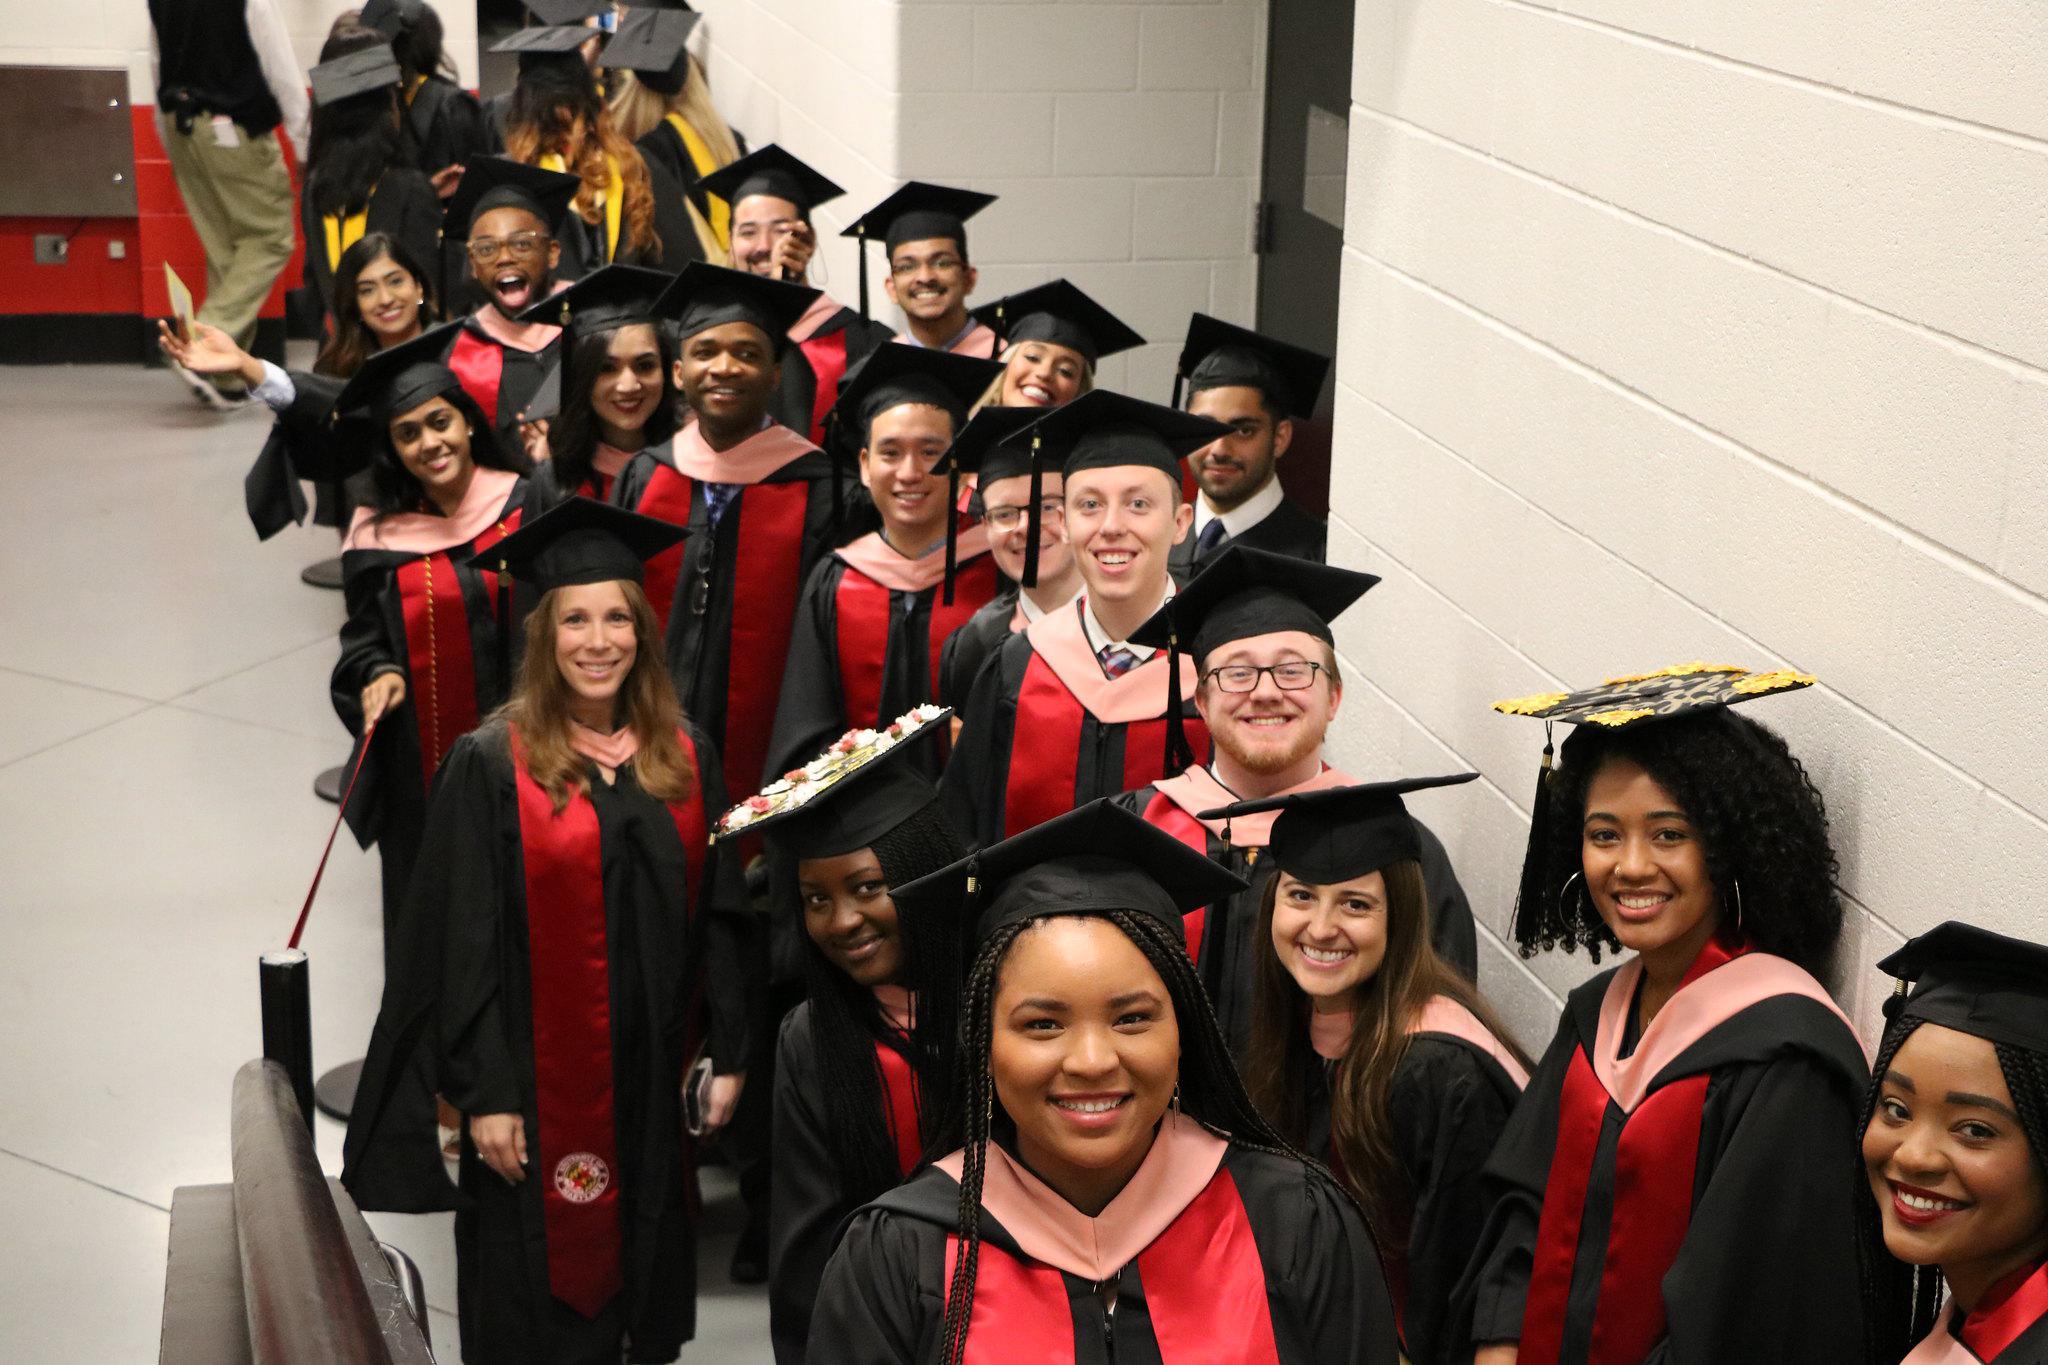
x=1123, y=138
x=1676, y=331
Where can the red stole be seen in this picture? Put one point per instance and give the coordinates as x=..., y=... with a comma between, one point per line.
x=575, y=1151
x=667, y=497
x=862, y=614
x=1161, y=812
x=899, y=1107
x=1655, y=1160
x=764, y=593
x=827, y=357
x=440, y=664
x=479, y=363
x=2007, y=1310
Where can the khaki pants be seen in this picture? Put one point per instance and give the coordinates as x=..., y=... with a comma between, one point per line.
x=240, y=202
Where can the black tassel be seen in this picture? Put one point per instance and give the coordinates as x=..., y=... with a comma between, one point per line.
x=441, y=267
x=860, y=247
x=1538, y=920
x=838, y=472
x=1179, y=380
x=1180, y=756
x=1031, y=515
x=504, y=633
x=952, y=528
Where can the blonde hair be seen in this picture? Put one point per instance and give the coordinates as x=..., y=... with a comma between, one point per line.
x=992, y=396
x=539, y=709
x=601, y=144
x=637, y=109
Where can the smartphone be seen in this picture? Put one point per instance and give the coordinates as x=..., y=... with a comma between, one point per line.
x=697, y=1096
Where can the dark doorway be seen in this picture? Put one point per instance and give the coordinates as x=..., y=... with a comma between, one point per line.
x=1301, y=207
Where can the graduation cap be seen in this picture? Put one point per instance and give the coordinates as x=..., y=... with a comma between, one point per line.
x=1218, y=355
x=915, y=212
x=1340, y=833
x=706, y=296
x=1976, y=982
x=771, y=170
x=610, y=296
x=1243, y=592
x=651, y=44
x=362, y=72
x=1057, y=311
x=845, y=798
x=390, y=17
x=551, y=50
x=1095, y=858
x=1629, y=700
x=1104, y=430
x=496, y=182
x=562, y=13
x=399, y=378
x=992, y=445
x=894, y=374
x=580, y=541
x=546, y=404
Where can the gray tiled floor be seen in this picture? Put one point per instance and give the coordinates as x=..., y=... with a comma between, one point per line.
x=163, y=709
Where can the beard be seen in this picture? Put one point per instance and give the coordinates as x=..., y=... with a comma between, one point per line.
x=1270, y=758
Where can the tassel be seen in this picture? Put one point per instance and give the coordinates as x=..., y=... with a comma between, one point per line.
x=1179, y=380
x=952, y=528
x=860, y=247
x=1538, y=919
x=838, y=472
x=1180, y=756
x=1032, y=518
x=504, y=633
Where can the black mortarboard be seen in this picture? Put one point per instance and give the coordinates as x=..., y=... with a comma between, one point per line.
x=496, y=182
x=1243, y=592
x=610, y=296
x=1976, y=982
x=993, y=446
x=389, y=17
x=362, y=72
x=552, y=47
x=400, y=378
x=566, y=12
x=1057, y=311
x=651, y=44
x=772, y=171
x=915, y=212
x=580, y=541
x=1096, y=858
x=845, y=798
x=1218, y=354
x=706, y=296
x=1338, y=833
x=546, y=404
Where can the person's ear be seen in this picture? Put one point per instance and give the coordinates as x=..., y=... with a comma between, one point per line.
x=554, y=255
x=865, y=482
x=969, y=277
x=888, y=284
x=1183, y=518
x=1283, y=436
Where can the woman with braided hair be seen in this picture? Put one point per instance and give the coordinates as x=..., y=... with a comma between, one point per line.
x=1955, y=1152
x=1669, y=1186
x=1110, y=1192
x=874, y=1039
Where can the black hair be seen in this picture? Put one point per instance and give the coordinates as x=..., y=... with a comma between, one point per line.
x=418, y=45
x=396, y=490
x=1210, y=1090
x=573, y=432
x=351, y=342
x=354, y=140
x=847, y=1023
x=1901, y=1301
x=1761, y=823
x=550, y=86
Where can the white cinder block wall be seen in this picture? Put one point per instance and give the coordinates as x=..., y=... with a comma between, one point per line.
x=1678, y=331
x=1123, y=138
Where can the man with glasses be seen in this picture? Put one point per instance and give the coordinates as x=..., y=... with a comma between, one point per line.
x=988, y=448
x=507, y=212
x=1258, y=627
x=923, y=230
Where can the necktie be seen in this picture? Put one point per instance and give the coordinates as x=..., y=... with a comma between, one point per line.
x=1212, y=536
x=718, y=497
x=1116, y=661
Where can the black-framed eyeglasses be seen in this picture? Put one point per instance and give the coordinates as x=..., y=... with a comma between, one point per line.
x=1004, y=516
x=1291, y=676
x=523, y=246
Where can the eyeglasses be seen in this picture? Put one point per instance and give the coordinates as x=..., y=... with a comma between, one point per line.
x=938, y=265
x=1288, y=677
x=526, y=246
x=1006, y=517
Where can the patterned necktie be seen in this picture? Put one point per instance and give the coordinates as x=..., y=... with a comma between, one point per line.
x=1116, y=661
x=718, y=497
x=1212, y=536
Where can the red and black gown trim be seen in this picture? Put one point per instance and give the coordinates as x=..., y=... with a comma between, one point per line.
x=971, y=646
x=1270, y=1263
x=501, y=379
x=1713, y=1222
x=813, y=367
x=459, y=1017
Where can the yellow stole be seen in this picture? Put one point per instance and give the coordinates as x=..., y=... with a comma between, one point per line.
x=614, y=198
x=343, y=233
x=720, y=216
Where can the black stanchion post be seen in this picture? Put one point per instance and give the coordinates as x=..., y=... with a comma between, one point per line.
x=288, y=1022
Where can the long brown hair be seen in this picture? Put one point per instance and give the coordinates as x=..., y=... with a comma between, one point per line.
x=638, y=108
x=538, y=127
x=539, y=708
x=1279, y=1055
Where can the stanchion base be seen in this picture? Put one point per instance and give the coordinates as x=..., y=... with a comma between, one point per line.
x=334, y=1094
x=327, y=786
x=325, y=573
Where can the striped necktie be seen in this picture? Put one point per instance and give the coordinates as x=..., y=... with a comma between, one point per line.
x=1116, y=661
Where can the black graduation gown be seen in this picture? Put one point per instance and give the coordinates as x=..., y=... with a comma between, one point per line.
x=445, y=695
x=862, y=654
x=403, y=204
x=1286, y=530
x=444, y=126
x=584, y=247
x=1229, y=932
x=663, y=144
x=301, y=444
x=502, y=379
x=967, y=649
x=813, y=368
x=884, y=1292
x=1767, y=1269
x=1446, y=1107
x=457, y=1017
x=712, y=574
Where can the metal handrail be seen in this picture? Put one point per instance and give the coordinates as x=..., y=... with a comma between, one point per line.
x=412, y=1286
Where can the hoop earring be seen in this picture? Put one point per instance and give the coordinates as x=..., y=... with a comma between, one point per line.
x=1565, y=890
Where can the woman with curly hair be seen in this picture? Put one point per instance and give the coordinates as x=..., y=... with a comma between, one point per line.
x=568, y=915
x=628, y=211
x=660, y=98
x=1669, y=1186
x=1108, y=1191
x=1955, y=1152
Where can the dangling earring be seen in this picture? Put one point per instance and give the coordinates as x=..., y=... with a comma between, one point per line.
x=1736, y=882
x=1174, y=1103
x=1564, y=891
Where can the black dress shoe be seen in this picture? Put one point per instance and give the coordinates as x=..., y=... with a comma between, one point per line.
x=750, y=1258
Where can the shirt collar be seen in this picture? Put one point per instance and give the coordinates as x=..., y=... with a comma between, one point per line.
x=1246, y=514
x=1098, y=638
x=909, y=338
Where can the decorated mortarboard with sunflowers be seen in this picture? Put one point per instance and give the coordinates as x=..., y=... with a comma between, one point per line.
x=852, y=754
x=1640, y=697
